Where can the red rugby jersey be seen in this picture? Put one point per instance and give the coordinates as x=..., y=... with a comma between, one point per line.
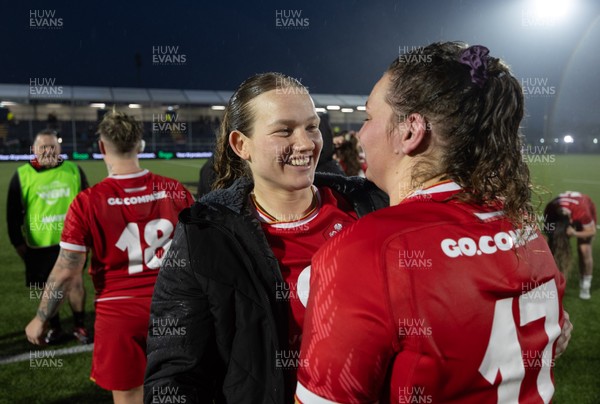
x=127, y=221
x=581, y=207
x=432, y=301
x=294, y=242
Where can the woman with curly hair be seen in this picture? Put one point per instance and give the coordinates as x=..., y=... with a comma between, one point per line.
x=450, y=294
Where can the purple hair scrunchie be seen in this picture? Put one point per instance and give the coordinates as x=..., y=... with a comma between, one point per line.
x=476, y=57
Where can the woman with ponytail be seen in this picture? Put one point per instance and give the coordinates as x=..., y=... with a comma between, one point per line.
x=451, y=294
x=228, y=306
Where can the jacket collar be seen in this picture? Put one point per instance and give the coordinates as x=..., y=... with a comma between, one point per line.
x=364, y=196
x=236, y=196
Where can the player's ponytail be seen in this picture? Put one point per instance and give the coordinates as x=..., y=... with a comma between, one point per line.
x=499, y=168
x=559, y=242
x=228, y=166
x=239, y=115
x=474, y=106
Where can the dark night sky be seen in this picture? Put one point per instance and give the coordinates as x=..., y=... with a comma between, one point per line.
x=344, y=49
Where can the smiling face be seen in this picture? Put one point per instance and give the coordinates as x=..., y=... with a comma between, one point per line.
x=284, y=147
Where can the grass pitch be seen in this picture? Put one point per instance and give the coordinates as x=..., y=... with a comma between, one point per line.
x=65, y=378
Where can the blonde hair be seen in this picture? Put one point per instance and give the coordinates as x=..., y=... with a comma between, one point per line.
x=122, y=131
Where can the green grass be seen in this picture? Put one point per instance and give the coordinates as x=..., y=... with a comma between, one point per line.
x=67, y=380
x=576, y=372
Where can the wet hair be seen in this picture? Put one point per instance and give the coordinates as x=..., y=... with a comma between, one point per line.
x=239, y=115
x=122, y=131
x=560, y=245
x=559, y=241
x=477, y=126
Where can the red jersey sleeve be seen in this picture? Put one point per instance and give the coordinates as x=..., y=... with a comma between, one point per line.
x=584, y=213
x=76, y=231
x=349, y=336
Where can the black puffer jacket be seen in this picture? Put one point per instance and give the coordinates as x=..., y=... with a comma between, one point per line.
x=215, y=324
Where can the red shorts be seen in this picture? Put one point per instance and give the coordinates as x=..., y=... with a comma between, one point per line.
x=592, y=212
x=120, y=332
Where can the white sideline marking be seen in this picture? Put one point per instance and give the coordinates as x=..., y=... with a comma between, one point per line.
x=580, y=181
x=181, y=163
x=59, y=352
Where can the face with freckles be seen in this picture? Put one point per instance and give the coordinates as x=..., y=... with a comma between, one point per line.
x=284, y=147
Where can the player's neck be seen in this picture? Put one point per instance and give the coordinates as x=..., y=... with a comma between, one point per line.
x=122, y=166
x=285, y=205
x=401, y=185
x=407, y=187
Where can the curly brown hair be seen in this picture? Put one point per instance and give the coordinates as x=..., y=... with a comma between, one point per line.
x=349, y=157
x=122, y=131
x=555, y=227
x=240, y=116
x=478, y=127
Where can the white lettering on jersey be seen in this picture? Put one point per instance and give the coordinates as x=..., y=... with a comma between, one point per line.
x=135, y=200
x=501, y=241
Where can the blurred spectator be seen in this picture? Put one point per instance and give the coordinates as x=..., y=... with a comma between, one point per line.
x=327, y=164
x=347, y=154
x=207, y=177
x=53, y=123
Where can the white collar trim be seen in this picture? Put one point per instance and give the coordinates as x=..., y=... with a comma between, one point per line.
x=128, y=176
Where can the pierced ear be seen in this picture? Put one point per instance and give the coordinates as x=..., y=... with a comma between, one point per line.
x=239, y=143
x=415, y=133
